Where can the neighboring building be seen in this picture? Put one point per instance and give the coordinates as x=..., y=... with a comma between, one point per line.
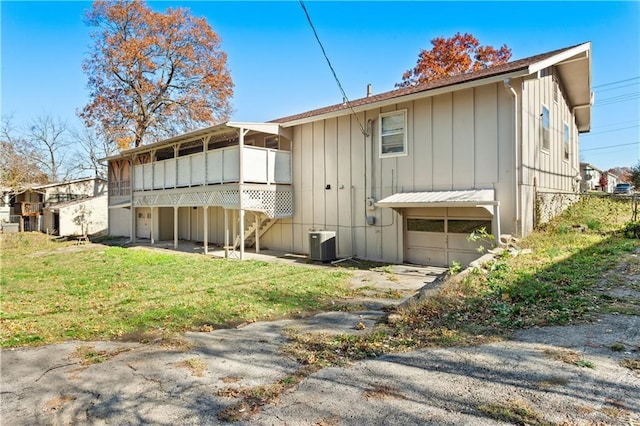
x=590, y=177
x=612, y=181
x=401, y=176
x=67, y=208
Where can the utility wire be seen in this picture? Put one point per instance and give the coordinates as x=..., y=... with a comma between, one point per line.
x=616, y=88
x=344, y=95
x=616, y=82
x=611, y=130
x=610, y=146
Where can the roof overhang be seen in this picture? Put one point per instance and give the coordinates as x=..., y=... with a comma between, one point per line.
x=232, y=128
x=574, y=69
x=484, y=198
x=407, y=98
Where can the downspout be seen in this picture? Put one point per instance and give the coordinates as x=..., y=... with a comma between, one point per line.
x=516, y=163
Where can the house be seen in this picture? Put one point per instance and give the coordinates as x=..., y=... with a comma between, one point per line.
x=612, y=181
x=73, y=207
x=400, y=176
x=590, y=175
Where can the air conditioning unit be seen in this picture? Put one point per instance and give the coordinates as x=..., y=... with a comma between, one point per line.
x=322, y=246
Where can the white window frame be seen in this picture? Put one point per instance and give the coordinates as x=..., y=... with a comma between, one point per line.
x=547, y=146
x=405, y=150
x=566, y=141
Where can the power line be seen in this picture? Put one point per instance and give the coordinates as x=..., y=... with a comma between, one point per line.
x=346, y=99
x=610, y=146
x=612, y=130
x=617, y=88
x=616, y=82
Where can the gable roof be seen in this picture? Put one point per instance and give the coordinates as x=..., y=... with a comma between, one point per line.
x=577, y=58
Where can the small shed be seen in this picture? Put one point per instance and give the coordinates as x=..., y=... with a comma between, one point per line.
x=76, y=217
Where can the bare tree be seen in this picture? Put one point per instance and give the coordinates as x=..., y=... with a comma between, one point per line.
x=92, y=147
x=49, y=140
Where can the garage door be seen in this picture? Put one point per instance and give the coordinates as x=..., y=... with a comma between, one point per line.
x=439, y=236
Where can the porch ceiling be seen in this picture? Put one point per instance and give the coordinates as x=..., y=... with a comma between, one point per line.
x=220, y=131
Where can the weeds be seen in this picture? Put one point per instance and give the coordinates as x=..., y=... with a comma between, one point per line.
x=516, y=412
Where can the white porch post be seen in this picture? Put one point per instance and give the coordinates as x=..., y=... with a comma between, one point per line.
x=206, y=229
x=241, y=234
x=175, y=227
x=153, y=225
x=242, y=134
x=234, y=228
x=257, y=233
x=226, y=234
x=132, y=227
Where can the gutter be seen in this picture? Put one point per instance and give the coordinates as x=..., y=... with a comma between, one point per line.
x=516, y=163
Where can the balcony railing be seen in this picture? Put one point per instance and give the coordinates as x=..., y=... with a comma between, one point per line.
x=31, y=209
x=261, y=165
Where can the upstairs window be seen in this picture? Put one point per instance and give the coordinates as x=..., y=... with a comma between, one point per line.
x=565, y=138
x=393, y=133
x=546, y=127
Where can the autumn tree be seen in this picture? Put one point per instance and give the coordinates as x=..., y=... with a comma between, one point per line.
x=456, y=55
x=603, y=182
x=152, y=75
x=634, y=175
x=17, y=168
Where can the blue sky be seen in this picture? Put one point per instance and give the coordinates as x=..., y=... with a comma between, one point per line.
x=278, y=68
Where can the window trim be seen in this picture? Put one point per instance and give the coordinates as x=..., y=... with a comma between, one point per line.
x=542, y=129
x=566, y=141
x=405, y=147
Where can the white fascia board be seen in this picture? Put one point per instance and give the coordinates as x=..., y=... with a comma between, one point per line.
x=269, y=128
x=406, y=98
x=555, y=59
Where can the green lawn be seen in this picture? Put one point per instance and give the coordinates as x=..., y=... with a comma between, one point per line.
x=52, y=292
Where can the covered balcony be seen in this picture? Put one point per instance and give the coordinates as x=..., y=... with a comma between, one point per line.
x=236, y=166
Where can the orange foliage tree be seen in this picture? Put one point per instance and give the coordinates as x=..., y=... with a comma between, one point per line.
x=152, y=75
x=457, y=55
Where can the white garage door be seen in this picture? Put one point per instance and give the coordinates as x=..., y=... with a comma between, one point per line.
x=439, y=236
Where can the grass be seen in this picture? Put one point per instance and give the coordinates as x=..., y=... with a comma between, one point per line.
x=52, y=292
x=558, y=283
x=515, y=412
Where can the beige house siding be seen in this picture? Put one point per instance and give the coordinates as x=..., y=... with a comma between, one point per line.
x=545, y=169
x=458, y=140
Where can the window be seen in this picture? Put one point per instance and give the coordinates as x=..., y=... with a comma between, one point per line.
x=425, y=225
x=468, y=226
x=393, y=133
x=271, y=142
x=546, y=127
x=566, y=141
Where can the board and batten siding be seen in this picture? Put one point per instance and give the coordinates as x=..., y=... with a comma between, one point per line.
x=543, y=168
x=455, y=141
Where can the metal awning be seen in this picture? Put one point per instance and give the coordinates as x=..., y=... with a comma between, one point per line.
x=470, y=198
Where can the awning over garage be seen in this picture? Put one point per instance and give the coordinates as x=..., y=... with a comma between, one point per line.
x=469, y=198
